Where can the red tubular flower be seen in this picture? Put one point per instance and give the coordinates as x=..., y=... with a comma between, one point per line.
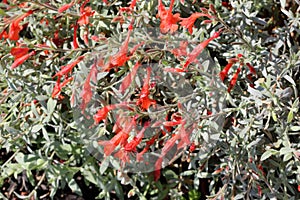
x=249, y=77
x=121, y=57
x=109, y=147
x=198, y=49
x=168, y=128
x=184, y=137
x=56, y=40
x=65, y=7
x=84, y=16
x=131, y=146
x=58, y=86
x=14, y=30
x=259, y=190
x=123, y=155
x=75, y=44
x=234, y=79
x=157, y=167
x=149, y=143
x=128, y=79
x=118, y=124
x=240, y=55
x=3, y=34
x=44, y=45
x=15, y=27
x=18, y=52
x=21, y=60
x=119, y=19
x=168, y=21
x=144, y=100
x=212, y=8
x=118, y=139
x=233, y=60
x=65, y=70
x=86, y=93
x=81, y=9
x=189, y=22
x=161, y=9
x=86, y=38
x=56, y=89
x=224, y=72
x=102, y=113
x=136, y=47
x=192, y=147
x=251, y=68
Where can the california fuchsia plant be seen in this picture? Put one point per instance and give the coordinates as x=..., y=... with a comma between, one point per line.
x=149, y=99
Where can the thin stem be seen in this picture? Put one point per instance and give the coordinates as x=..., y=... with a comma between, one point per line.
x=40, y=181
x=234, y=32
x=8, y=160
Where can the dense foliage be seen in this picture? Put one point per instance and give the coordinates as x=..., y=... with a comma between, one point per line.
x=150, y=99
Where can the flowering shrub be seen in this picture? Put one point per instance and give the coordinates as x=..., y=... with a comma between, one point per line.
x=150, y=99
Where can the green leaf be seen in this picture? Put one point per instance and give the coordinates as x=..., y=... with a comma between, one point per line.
x=36, y=128
x=267, y=154
x=274, y=117
x=286, y=150
x=188, y=173
x=295, y=128
x=74, y=187
x=289, y=79
x=20, y=158
x=51, y=105
x=169, y=174
x=194, y=194
x=104, y=165
x=290, y=116
x=89, y=176
x=287, y=157
x=2, y=12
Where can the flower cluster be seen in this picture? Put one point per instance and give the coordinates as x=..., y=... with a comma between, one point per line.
x=238, y=59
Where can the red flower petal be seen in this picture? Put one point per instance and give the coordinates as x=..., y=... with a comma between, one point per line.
x=86, y=93
x=198, y=49
x=157, y=167
x=131, y=146
x=168, y=21
x=18, y=52
x=189, y=22
x=21, y=60
x=65, y=7
x=121, y=57
x=128, y=79
x=65, y=70
x=144, y=100
x=251, y=68
x=15, y=28
x=224, y=72
x=234, y=79
x=58, y=86
x=75, y=44
x=102, y=113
